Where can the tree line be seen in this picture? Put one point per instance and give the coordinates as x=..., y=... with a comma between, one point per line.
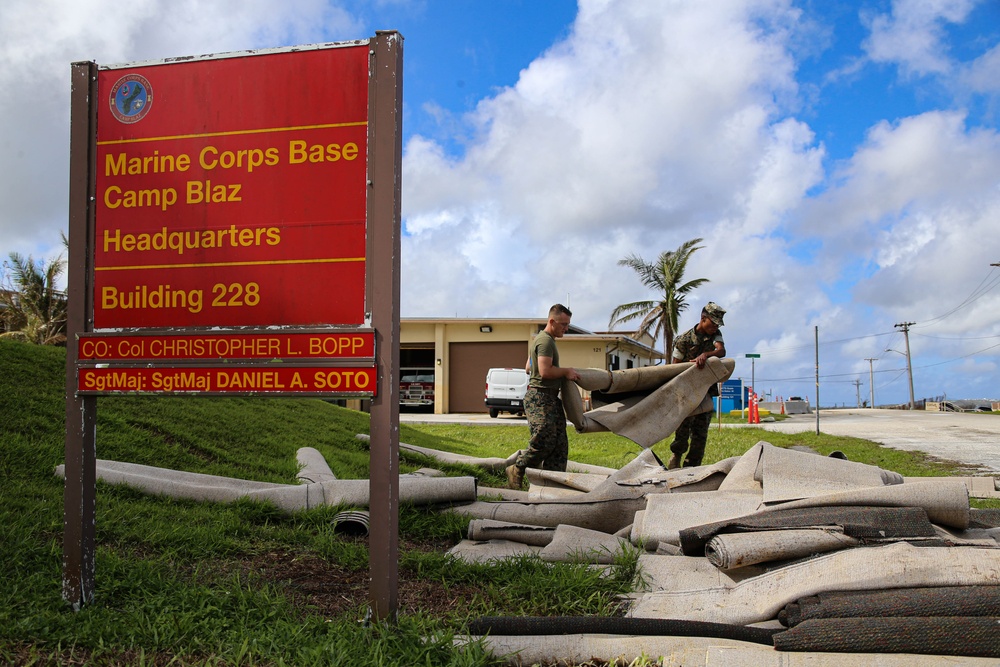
x=32, y=309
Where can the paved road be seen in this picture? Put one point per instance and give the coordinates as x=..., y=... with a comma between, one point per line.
x=971, y=439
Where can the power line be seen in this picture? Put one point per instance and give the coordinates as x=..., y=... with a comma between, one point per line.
x=973, y=296
x=952, y=338
x=978, y=292
x=899, y=371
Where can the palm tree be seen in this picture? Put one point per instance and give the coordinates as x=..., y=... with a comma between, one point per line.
x=31, y=308
x=664, y=278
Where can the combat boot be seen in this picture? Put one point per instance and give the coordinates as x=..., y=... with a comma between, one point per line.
x=674, y=462
x=515, y=477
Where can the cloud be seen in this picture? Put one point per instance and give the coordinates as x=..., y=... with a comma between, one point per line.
x=649, y=123
x=640, y=130
x=39, y=39
x=917, y=201
x=982, y=75
x=655, y=123
x=926, y=159
x=912, y=36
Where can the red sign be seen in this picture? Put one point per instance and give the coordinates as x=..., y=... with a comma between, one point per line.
x=232, y=191
x=270, y=379
x=227, y=346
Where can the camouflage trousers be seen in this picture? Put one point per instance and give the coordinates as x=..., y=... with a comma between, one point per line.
x=693, y=429
x=548, y=447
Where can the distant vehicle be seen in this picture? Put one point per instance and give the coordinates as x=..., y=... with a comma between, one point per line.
x=416, y=388
x=505, y=389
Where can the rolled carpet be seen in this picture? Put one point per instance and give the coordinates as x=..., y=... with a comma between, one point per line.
x=945, y=635
x=741, y=549
x=931, y=601
x=857, y=521
x=761, y=598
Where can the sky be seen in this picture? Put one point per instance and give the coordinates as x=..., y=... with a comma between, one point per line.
x=840, y=161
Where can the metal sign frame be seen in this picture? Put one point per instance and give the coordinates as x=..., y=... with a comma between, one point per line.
x=272, y=357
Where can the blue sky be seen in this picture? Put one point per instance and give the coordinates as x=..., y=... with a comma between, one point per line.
x=841, y=161
x=457, y=53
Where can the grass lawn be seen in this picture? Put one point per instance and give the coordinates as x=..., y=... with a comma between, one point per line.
x=187, y=583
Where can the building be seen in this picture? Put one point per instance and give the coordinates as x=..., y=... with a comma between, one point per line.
x=459, y=351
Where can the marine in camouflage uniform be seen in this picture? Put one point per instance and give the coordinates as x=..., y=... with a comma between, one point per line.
x=701, y=341
x=548, y=447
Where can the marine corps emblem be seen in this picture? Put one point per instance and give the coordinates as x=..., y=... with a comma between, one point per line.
x=131, y=98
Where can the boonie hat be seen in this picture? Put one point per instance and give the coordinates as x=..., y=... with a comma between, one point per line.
x=715, y=312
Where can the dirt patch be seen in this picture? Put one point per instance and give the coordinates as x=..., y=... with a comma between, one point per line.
x=329, y=589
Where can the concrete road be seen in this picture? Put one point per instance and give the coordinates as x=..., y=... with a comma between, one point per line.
x=968, y=438
x=415, y=417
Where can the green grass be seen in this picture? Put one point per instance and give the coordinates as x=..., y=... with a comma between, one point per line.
x=614, y=451
x=187, y=583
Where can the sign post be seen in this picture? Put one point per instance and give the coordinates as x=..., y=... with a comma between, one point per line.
x=384, y=207
x=753, y=357
x=227, y=214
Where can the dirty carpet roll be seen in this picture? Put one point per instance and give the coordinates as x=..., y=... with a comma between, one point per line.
x=656, y=416
x=787, y=474
x=549, y=625
x=931, y=601
x=495, y=551
x=648, y=416
x=312, y=466
x=621, y=484
x=687, y=651
x=734, y=550
x=487, y=529
x=286, y=497
x=608, y=516
x=563, y=481
x=948, y=635
x=629, y=379
x=857, y=522
x=579, y=545
x=945, y=500
x=761, y=598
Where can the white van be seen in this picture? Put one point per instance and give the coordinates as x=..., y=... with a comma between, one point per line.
x=505, y=389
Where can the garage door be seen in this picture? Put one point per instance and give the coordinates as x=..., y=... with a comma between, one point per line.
x=467, y=366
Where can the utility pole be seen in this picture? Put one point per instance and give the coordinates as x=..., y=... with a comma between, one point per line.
x=857, y=391
x=905, y=326
x=816, y=331
x=871, y=381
